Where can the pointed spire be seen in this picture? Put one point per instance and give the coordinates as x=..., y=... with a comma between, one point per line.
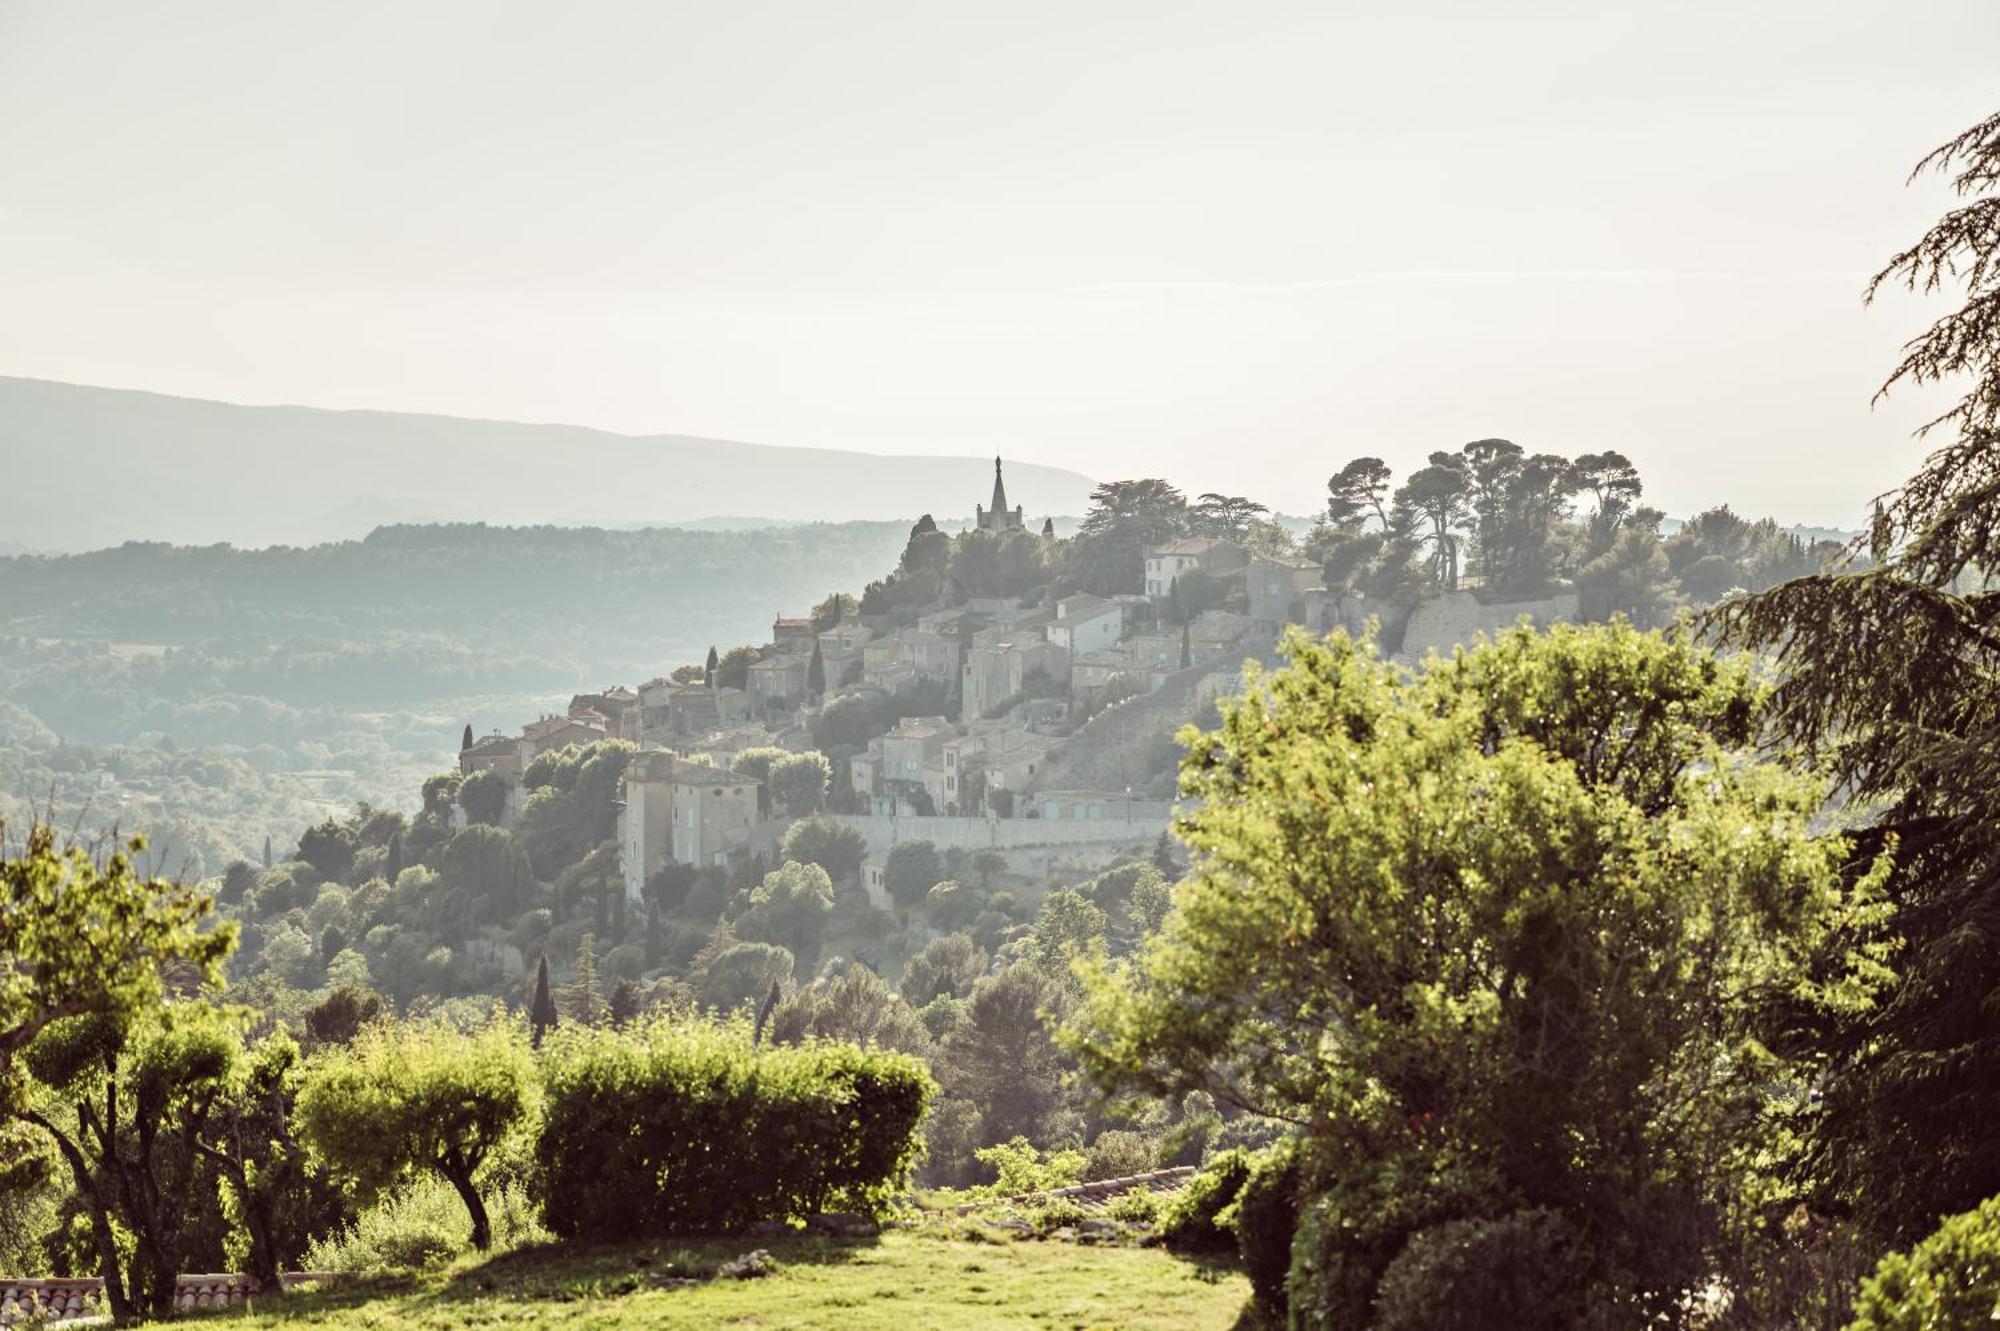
x=999, y=489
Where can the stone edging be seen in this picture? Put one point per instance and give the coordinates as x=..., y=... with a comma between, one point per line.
x=55, y=1299
x=1101, y=1190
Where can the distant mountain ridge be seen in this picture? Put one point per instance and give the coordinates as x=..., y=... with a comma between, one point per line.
x=110, y=465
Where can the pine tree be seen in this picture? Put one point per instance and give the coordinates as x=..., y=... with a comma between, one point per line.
x=626, y=1002
x=816, y=674
x=581, y=1001
x=465, y=742
x=1889, y=671
x=542, y=1012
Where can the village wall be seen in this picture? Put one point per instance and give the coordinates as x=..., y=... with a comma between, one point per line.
x=1455, y=619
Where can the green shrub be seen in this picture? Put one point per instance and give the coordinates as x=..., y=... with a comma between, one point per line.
x=1189, y=1222
x=1118, y=1154
x=1054, y=1215
x=1019, y=1168
x=1265, y=1217
x=664, y=1128
x=423, y=1225
x=1140, y=1206
x=1358, y=1221
x=1951, y=1279
x=1325, y=1285
x=1521, y=1272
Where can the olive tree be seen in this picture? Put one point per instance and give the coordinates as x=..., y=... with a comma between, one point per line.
x=409, y=1098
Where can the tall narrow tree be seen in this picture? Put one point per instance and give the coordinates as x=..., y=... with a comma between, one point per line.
x=816, y=673
x=542, y=1015
x=1892, y=674
x=465, y=740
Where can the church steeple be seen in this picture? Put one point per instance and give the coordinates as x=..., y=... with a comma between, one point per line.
x=999, y=517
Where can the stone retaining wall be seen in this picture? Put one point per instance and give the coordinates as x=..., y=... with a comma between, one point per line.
x=1090, y=1196
x=56, y=1299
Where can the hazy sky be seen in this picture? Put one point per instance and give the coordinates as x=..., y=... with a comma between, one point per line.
x=1233, y=243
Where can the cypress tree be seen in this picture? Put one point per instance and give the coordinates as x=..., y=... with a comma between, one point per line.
x=709, y=669
x=542, y=1012
x=392, y=867
x=267, y=850
x=465, y=742
x=580, y=996
x=816, y=674
x=656, y=935
x=1187, y=648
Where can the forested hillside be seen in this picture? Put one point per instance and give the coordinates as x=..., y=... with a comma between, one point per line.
x=209, y=696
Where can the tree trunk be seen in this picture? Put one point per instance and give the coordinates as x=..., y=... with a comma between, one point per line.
x=461, y=1179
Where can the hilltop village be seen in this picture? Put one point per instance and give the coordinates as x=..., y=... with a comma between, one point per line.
x=1037, y=723
x=961, y=721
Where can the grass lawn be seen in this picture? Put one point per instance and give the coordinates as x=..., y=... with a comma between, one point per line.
x=906, y=1281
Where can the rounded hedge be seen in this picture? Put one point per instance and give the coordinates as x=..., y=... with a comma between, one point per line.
x=1265, y=1218
x=1520, y=1272
x=665, y=1128
x=1189, y=1221
x=1950, y=1279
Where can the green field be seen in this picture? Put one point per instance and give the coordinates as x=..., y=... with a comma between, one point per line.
x=901, y=1281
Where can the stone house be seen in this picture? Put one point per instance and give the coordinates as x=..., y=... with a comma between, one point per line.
x=1086, y=623
x=1273, y=588
x=932, y=655
x=840, y=651
x=686, y=812
x=1165, y=563
x=682, y=711
x=875, y=880
x=779, y=680
x=1009, y=757
x=614, y=710
x=914, y=741
x=999, y=670
x=555, y=732
x=1090, y=675
x=497, y=753
x=793, y=635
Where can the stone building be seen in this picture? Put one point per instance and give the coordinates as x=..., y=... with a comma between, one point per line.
x=1166, y=563
x=686, y=812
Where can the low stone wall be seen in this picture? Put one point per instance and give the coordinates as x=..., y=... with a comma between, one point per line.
x=1094, y=1196
x=1454, y=620
x=58, y=1300
x=883, y=833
